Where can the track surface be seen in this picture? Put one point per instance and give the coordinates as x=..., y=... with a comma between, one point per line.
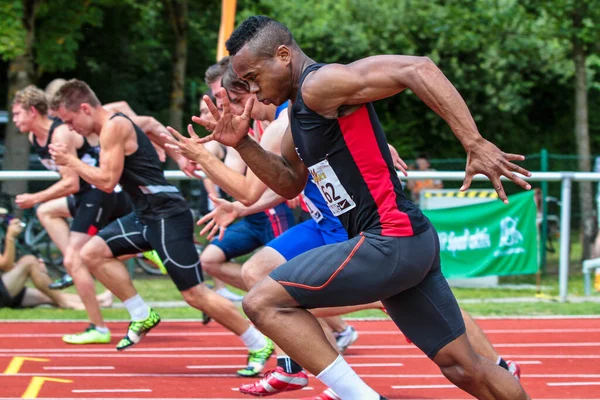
x=559, y=358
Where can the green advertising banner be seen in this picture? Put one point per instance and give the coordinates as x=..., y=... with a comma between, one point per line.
x=486, y=239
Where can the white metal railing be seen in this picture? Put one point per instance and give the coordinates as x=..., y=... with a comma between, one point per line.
x=566, y=179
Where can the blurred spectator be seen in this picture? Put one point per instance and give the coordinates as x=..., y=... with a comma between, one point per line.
x=416, y=186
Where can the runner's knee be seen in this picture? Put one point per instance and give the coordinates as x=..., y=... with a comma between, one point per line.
x=196, y=296
x=251, y=274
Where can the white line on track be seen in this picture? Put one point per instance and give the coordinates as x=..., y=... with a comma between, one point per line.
x=111, y=390
x=361, y=332
x=573, y=383
x=239, y=348
x=395, y=376
x=371, y=365
x=79, y=368
x=425, y=387
x=111, y=354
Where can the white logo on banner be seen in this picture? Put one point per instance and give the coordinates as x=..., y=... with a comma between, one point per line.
x=509, y=237
x=450, y=241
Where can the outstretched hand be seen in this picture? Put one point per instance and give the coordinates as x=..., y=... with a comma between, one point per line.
x=187, y=147
x=218, y=219
x=227, y=128
x=489, y=160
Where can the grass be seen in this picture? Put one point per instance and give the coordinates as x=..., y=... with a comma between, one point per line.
x=160, y=288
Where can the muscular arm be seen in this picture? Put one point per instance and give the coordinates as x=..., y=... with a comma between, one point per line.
x=113, y=137
x=69, y=181
x=285, y=173
x=269, y=199
x=378, y=77
x=247, y=188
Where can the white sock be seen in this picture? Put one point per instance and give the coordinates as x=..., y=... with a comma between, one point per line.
x=102, y=329
x=253, y=339
x=345, y=382
x=138, y=310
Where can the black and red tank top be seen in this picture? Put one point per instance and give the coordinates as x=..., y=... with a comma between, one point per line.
x=351, y=164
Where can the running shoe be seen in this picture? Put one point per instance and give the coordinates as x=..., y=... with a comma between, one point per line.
x=257, y=360
x=345, y=338
x=138, y=329
x=514, y=369
x=90, y=336
x=276, y=381
x=61, y=283
x=328, y=394
x=152, y=256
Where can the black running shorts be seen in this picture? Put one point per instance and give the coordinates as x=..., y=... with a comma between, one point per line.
x=403, y=272
x=11, y=302
x=93, y=209
x=171, y=237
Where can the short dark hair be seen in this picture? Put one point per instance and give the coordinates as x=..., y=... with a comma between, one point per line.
x=423, y=156
x=216, y=71
x=232, y=82
x=72, y=94
x=264, y=34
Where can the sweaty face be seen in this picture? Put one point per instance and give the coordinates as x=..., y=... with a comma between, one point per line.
x=80, y=121
x=22, y=118
x=269, y=78
x=260, y=112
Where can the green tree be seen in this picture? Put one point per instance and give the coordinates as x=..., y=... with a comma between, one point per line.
x=37, y=36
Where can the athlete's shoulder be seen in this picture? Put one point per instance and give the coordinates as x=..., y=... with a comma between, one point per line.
x=63, y=134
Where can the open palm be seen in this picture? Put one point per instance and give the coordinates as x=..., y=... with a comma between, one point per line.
x=227, y=128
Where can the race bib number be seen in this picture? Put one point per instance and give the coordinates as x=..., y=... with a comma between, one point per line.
x=336, y=197
x=312, y=209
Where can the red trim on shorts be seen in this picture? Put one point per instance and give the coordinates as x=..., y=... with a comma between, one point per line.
x=364, y=149
x=337, y=271
x=92, y=230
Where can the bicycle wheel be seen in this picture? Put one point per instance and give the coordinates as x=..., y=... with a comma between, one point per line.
x=38, y=240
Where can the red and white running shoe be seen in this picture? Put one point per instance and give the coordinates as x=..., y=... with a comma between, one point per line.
x=328, y=394
x=276, y=381
x=514, y=369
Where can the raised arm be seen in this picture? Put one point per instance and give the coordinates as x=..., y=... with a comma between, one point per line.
x=113, y=138
x=285, y=174
x=7, y=258
x=334, y=89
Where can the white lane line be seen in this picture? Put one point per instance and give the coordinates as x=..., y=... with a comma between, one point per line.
x=78, y=368
x=362, y=332
x=240, y=348
x=111, y=390
x=244, y=355
x=200, y=375
x=425, y=387
x=573, y=383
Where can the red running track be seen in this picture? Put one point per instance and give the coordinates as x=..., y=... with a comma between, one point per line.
x=560, y=359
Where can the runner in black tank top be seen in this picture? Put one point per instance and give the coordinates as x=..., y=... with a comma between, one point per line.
x=161, y=220
x=90, y=208
x=396, y=256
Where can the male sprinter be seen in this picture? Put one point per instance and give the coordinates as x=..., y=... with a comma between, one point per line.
x=161, y=220
x=393, y=251
x=90, y=208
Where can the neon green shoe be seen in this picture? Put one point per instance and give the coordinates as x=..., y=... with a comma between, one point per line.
x=89, y=336
x=257, y=360
x=138, y=329
x=152, y=256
